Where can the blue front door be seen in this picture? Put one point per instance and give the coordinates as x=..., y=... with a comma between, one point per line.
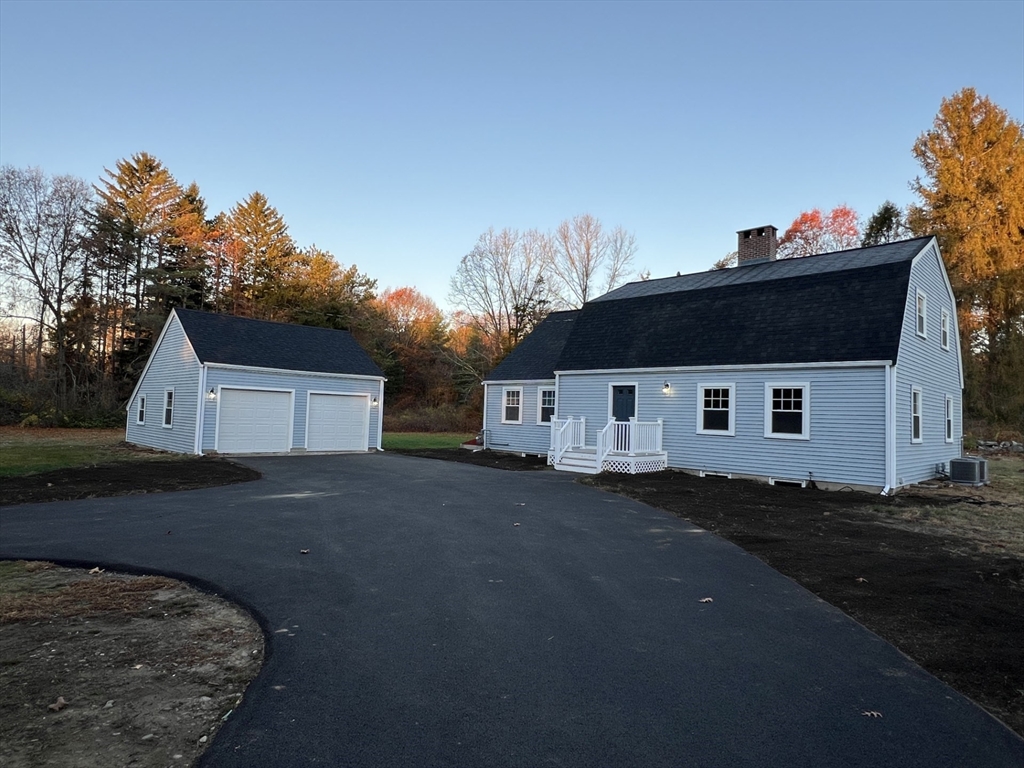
x=623, y=402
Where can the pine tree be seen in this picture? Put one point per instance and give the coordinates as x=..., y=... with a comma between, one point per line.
x=266, y=257
x=886, y=225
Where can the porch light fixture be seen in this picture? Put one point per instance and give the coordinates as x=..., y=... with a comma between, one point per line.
x=666, y=388
x=212, y=394
x=374, y=401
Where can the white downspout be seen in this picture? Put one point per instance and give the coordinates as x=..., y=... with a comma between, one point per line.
x=483, y=429
x=380, y=416
x=890, y=429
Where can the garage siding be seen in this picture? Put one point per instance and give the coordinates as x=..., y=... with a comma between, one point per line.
x=302, y=384
x=173, y=366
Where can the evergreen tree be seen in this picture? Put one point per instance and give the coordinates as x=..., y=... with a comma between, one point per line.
x=266, y=257
x=886, y=225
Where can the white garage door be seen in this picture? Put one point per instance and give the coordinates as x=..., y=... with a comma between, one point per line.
x=337, y=423
x=254, y=421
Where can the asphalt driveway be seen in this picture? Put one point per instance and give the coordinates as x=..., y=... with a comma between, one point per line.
x=450, y=615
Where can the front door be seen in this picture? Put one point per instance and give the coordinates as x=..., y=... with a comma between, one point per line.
x=623, y=409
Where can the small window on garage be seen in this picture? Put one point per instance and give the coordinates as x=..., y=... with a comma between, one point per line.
x=140, y=414
x=512, y=406
x=168, y=408
x=545, y=405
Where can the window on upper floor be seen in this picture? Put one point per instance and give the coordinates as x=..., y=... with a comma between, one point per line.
x=512, y=406
x=922, y=315
x=915, y=415
x=168, y=408
x=140, y=414
x=945, y=329
x=545, y=405
x=787, y=411
x=716, y=409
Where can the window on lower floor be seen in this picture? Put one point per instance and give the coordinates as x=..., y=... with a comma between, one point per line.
x=512, y=406
x=715, y=409
x=168, y=407
x=140, y=416
x=787, y=411
x=545, y=406
x=915, y=415
x=949, y=419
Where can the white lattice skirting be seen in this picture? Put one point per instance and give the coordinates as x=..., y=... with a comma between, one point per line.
x=634, y=465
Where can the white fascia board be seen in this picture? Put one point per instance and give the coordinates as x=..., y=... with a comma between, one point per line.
x=156, y=347
x=260, y=369
x=519, y=381
x=718, y=368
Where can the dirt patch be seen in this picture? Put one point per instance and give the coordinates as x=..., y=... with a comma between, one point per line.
x=513, y=462
x=123, y=478
x=950, y=602
x=103, y=669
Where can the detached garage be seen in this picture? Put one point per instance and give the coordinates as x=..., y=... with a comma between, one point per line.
x=224, y=384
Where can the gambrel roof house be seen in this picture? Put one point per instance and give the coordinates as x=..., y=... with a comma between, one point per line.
x=225, y=384
x=841, y=369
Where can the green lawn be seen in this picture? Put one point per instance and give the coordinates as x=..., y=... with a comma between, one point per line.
x=397, y=441
x=23, y=451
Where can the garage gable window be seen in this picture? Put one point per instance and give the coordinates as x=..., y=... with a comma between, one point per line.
x=140, y=415
x=545, y=405
x=787, y=411
x=168, y=408
x=512, y=405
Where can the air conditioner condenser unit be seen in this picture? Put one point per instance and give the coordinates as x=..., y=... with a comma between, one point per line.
x=969, y=470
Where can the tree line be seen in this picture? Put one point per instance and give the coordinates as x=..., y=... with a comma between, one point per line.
x=88, y=274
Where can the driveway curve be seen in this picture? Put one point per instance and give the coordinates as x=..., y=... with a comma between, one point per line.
x=451, y=615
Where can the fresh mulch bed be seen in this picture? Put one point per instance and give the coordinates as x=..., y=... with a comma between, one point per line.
x=513, y=462
x=122, y=479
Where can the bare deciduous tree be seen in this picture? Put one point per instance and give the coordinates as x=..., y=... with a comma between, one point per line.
x=42, y=220
x=586, y=261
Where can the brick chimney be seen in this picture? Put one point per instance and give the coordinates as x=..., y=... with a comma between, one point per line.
x=757, y=245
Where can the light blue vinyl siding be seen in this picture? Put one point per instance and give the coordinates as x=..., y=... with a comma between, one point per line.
x=847, y=421
x=923, y=363
x=173, y=366
x=528, y=437
x=301, y=383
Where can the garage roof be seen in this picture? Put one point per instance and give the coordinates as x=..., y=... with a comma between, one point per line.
x=231, y=340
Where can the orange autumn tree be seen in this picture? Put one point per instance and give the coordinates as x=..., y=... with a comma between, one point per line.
x=813, y=232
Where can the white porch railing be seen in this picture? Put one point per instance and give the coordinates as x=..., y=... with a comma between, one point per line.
x=629, y=437
x=567, y=434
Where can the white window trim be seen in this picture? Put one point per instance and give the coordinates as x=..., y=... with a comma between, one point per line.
x=540, y=403
x=921, y=314
x=944, y=332
x=731, y=431
x=949, y=431
x=163, y=411
x=916, y=398
x=806, y=421
x=504, y=404
x=140, y=410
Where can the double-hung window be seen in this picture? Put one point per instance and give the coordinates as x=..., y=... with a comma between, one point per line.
x=545, y=405
x=787, y=411
x=168, y=408
x=915, y=415
x=140, y=414
x=945, y=329
x=922, y=315
x=949, y=419
x=512, y=406
x=716, y=409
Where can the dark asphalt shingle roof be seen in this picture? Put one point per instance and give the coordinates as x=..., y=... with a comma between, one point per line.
x=536, y=355
x=234, y=340
x=841, y=307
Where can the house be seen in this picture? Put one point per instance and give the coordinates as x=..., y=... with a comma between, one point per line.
x=225, y=384
x=841, y=369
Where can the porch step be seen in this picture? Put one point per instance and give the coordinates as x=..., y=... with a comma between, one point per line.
x=582, y=468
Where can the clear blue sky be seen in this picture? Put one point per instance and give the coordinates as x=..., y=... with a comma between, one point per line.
x=393, y=134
